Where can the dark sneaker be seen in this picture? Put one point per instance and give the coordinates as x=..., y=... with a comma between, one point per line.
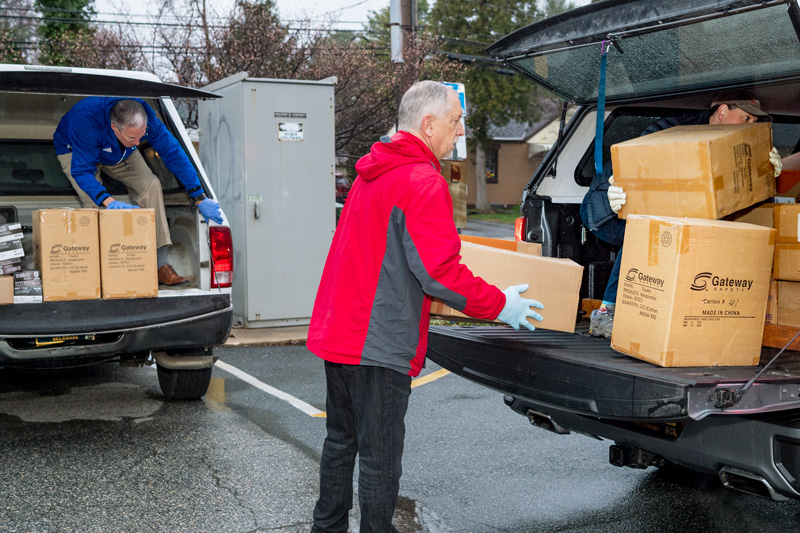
x=601, y=323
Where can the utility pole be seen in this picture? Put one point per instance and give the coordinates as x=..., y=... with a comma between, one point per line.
x=402, y=21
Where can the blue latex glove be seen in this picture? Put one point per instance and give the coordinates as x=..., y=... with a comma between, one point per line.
x=518, y=309
x=210, y=210
x=116, y=204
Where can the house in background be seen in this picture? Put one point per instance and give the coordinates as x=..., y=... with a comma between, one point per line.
x=517, y=151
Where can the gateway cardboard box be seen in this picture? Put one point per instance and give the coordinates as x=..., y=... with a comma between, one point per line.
x=66, y=248
x=695, y=171
x=128, y=253
x=6, y=290
x=553, y=282
x=762, y=215
x=788, y=304
x=772, y=303
x=786, y=264
x=692, y=292
x=787, y=221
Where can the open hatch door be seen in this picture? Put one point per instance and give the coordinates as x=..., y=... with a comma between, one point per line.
x=661, y=48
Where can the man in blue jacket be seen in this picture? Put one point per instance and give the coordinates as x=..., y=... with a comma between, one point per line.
x=101, y=133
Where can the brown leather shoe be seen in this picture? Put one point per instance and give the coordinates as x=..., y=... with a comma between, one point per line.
x=168, y=276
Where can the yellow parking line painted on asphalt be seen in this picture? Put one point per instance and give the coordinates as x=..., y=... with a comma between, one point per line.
x=433, y=376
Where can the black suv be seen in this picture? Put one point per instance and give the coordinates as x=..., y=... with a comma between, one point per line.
x=665, y=58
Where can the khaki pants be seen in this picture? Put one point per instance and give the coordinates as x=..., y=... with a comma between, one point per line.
x=143, y=185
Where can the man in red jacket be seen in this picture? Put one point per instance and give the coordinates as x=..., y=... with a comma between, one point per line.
x=395, y=248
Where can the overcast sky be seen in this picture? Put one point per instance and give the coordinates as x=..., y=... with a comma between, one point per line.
x=351, y=14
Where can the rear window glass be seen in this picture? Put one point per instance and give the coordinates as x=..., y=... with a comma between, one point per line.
x=755, y=45
x=30, y=168
x=627, y=123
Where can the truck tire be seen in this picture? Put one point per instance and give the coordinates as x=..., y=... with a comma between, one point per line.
x=189, y=384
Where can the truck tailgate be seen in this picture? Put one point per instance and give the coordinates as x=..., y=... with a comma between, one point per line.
x=583, y=374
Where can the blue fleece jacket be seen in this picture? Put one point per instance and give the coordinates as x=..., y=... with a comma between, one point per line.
x=86, y=132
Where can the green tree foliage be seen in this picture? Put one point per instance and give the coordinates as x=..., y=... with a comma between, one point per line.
x=467, y=28
x=16, y=30
x=65, y=26
x=495, y=95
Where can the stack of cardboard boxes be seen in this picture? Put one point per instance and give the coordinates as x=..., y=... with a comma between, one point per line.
x=16, y=285
x=694, y=291
x=86, y=254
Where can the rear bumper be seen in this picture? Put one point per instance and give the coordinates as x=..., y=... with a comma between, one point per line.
x=767, y=446
x=161, y=324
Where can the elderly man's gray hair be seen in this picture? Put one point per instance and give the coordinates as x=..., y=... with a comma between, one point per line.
x=128, y=114
x=423, y=98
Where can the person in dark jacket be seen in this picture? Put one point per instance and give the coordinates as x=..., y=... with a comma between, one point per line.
x=395, y=247
x=604, y=200
x=103, y=134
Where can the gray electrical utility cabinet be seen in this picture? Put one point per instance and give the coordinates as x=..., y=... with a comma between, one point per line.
x=268, y=147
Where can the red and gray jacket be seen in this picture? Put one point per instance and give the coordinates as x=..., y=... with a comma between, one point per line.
x=395, y=247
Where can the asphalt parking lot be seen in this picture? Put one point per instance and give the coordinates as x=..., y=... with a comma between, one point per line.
x=100, y=450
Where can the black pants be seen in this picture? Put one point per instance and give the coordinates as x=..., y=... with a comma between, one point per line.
x=366, y=411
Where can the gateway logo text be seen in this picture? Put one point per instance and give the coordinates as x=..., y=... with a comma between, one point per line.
x=702, y=280
x=116, y=248
x=58, y=248
x=634, y=275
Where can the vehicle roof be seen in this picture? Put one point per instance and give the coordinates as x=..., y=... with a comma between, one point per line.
x=91, y=82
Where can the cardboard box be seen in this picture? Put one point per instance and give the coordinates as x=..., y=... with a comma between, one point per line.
x=787, y=220
x=786, y=264
x=762, y=215
x=772, y=303
x=530, y=248
x=695, y=171
x=692, y=292
x=128, y=253
x=6, y=290
x=788, y=304
x=554, y=282
x=66, y=248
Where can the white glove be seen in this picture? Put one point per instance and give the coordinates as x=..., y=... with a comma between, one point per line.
x=775, y=159
x=518, y=309
x=616, y=196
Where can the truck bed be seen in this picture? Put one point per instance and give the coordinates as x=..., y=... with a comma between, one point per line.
x=580, y=373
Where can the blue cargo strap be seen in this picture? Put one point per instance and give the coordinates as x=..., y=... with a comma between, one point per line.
x=601, y=109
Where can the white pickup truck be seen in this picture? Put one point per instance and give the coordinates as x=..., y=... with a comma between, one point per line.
x=177, y=330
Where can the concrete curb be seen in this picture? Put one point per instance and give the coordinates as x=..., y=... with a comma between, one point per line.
x=267, y=336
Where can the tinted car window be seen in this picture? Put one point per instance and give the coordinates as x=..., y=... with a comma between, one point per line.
x=759, y=44
x=621, y=125
x=31, y=168
x=28, y=168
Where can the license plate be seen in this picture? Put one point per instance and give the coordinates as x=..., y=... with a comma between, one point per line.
x=64, y=339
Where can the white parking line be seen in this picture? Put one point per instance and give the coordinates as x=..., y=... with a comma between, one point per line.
x=247, y=378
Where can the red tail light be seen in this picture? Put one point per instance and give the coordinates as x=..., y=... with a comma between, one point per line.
x=519, y=229
x=221, y=257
